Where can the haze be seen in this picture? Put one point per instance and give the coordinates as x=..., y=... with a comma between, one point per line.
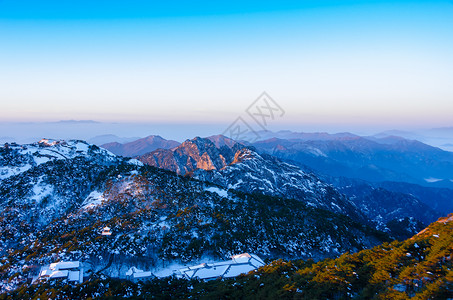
x=379, y=64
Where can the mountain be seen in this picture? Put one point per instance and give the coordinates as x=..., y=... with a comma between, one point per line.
x=420, y=267
x=304, y=136
x=388, y=208
x=45, y=180
x=100, y=140
x=57, y=196
x=233, y=166
x=371, y=159
x=140, y=146
x=439, y=199
x=194, y=154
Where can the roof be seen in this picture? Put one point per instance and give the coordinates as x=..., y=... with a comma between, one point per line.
x=71, y=270
x=142, y=274
x=236, y=270
x=64, y=265
x=59, y=274
x=239, y=264
x=137, y=273
x=74, y=276
x=133, y=270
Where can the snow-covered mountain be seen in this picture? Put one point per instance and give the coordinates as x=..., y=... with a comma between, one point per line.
x=47, y=180
x=16, y=159
x=231, y=165
x=56, y=196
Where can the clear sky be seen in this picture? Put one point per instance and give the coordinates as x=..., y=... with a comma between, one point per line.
x=326, y=62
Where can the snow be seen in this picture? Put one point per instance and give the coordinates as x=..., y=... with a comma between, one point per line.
x=167, y=271
x=65, y=265
x=6, y=172
x=72, y=270
x=163, y=223
x=335, y=206
x=239, y=264
x=93, y=200
x=59, y=274
x=236, y=184
x=432, y=179
x=48, y=142
x=74, y=276
x=47, y=150
x=135, y=162
x=213, y=272
x=41, y=190
x=82, y=147
x=133, y=270
x=241, y=258
x=236, y=270
x=142, y=274
x=220, y=192
x=316, y=152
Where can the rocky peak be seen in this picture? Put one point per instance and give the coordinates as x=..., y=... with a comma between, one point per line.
x=213, y=153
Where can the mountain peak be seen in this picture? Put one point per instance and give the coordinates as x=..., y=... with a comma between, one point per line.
x=221, y=140
x=50, y=142
x=140, y=146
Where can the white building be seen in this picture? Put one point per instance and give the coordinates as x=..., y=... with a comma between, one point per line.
x=70, y=270
x=134, y=273
x=239, y=264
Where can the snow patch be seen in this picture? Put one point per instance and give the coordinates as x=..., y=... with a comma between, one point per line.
x=135, y=162
x=93, y=200
x=220, y=192
x=41, y=190
x=432, y=179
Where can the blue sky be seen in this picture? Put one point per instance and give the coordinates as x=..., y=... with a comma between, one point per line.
x=357, y=63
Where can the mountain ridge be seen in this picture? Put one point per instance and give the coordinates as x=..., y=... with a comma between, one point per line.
x=140, y=146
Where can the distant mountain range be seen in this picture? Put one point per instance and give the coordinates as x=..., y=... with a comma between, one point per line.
x=100, y=140
x=140, y=146
x=369, y=158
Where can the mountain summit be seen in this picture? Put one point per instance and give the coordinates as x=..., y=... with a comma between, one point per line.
x=140, y=146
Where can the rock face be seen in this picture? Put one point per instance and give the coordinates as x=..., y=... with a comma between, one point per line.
x=231, y=165
x=213, y=153
x=140, y=146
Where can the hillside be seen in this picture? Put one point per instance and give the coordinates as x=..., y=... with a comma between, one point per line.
x=231, y=165
x=420, y=268
x=56, y=197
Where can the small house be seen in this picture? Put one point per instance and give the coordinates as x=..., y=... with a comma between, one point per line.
x=106, y=231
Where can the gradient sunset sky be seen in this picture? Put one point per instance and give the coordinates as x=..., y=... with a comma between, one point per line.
x=345, y=62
